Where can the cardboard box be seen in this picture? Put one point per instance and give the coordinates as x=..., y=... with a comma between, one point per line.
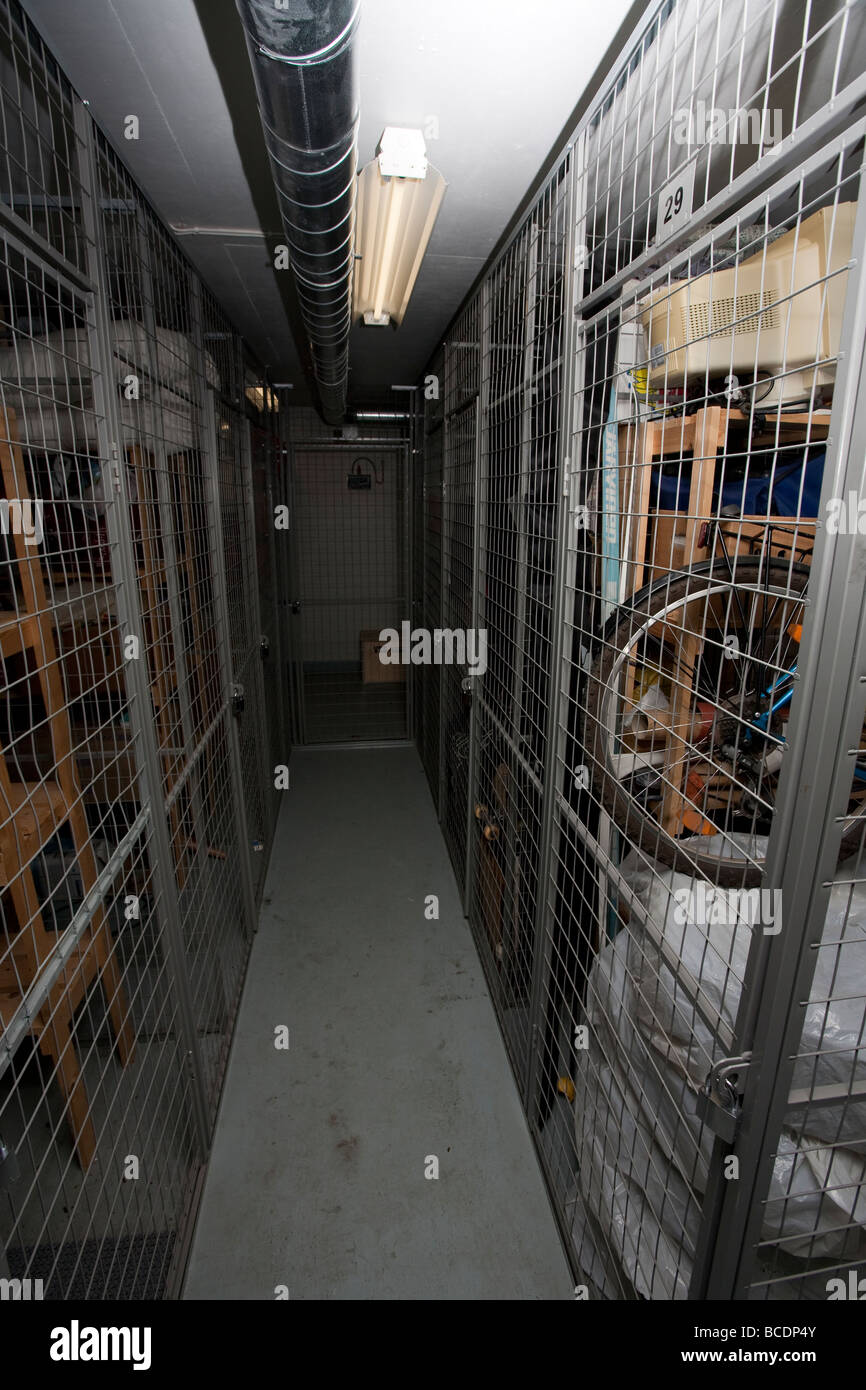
x=372, y=669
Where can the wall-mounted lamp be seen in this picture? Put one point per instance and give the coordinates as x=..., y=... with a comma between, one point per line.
x=359, y=480
x=399, y=196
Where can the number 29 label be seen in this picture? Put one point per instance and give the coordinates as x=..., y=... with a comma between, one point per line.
x=675, y=204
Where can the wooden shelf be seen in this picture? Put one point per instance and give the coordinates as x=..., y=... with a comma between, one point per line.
x=79, y=602
x=37, y=810
x=659, y=536
x=32, y=812
x=104, y=757
x=18, y=632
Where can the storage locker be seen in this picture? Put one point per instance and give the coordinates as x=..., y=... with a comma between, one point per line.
x=127, y=881
x=623, y=856
x=430, y=432
x=459, y=432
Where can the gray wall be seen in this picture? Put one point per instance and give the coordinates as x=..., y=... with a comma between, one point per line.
x=350, y=548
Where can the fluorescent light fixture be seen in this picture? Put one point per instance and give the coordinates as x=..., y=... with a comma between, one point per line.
x=381, y=415
x=262, y=398
x=399, y=196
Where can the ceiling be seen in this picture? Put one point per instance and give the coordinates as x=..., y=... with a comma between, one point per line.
x=500, y=77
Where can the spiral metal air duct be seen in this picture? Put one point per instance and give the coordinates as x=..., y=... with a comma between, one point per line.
x=305, y=71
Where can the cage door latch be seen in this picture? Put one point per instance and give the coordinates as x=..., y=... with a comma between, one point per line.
x=721, y=1101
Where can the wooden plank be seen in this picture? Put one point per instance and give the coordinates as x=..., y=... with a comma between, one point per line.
x=709, y=436
x=34, y=812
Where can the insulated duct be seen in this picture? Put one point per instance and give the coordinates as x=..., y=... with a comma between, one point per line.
x=303, y=60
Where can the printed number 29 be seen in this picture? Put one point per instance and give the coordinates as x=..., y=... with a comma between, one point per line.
x=673, y=204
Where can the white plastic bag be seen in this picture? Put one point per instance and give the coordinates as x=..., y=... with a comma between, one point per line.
x=643, y=1152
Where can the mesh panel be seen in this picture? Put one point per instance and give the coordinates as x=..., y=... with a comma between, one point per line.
x=707, y=93
x=430, y=676
x=162, y=398
x=40, y=180
x=94, y=1072
x=265, y=464
x=123, y=845
x=350, y=511
x=652, y=670
x=452, y=650
x=518, y=524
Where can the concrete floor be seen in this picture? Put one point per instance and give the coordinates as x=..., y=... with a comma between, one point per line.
x=339, y=707
x=317, y=1176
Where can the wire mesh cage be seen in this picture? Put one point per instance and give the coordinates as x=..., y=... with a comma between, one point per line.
x=665, y=556
x=640, y=481
x=41, y=140
x=430, y=676
x=164, y=405
x=267, y=495
x=351, y=516
x=125, y=880
x=707, y=94
x=454, y=647
x=416, y=535
x=93, y=1062
x=519, y=501
x=689, y=569
x=235, y=502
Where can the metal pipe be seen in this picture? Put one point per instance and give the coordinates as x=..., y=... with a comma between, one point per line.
x=306, y=77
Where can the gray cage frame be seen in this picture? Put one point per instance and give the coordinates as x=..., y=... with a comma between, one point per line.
x=250, y=803
x=817, y=776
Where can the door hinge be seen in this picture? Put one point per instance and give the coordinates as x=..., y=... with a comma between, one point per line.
x=115, y=467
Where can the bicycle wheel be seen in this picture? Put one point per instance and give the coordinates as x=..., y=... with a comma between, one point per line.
x=687, y=711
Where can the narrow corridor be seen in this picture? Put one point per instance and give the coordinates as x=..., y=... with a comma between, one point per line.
x=317, y=1177
x=432, y=668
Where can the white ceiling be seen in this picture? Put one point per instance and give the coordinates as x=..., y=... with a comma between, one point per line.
x=501, y=77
